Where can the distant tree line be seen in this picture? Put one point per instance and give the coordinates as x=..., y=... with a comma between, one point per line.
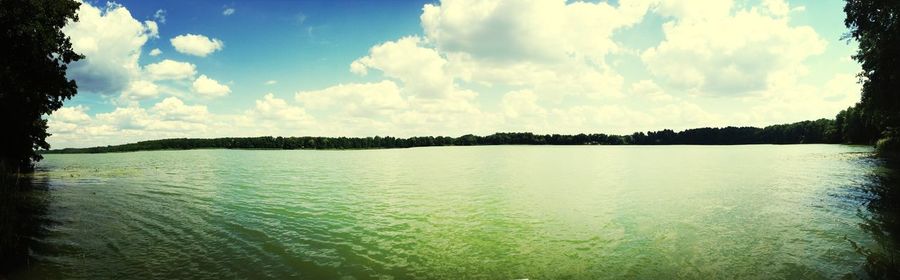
x=819, y=131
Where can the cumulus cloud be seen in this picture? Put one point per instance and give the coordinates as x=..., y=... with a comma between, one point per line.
x=693, y=9
x=421, y=69
x=276, y=109
x=433, y=98
x=171, y=70
x=152, y=28
x=650, y=90
x=356, y=100
x=126, y=118
x=171, y=117
x=842, y=88
x=69, y=119
x=141, y=89
x=228, y=11
x=168, y=118
x=777, y=7
x=207, y=87
x=111, y=40
x=173, y=109
x=570, y=77
x=197, y=45
x=720, y=52
x=550, y=47
x=795, y=102
x=533, y=30
x=522, y=103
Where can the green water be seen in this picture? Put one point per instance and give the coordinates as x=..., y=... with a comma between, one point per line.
x=502, y=212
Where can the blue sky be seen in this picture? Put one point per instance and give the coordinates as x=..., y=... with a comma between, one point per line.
x=159, y=69
x=301, y=44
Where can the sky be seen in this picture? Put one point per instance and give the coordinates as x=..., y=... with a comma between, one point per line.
x=166, y=69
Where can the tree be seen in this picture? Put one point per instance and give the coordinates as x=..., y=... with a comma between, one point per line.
x=875, y=25
x=34, y=54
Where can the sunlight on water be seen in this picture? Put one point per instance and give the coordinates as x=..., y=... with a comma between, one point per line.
x=505, y=212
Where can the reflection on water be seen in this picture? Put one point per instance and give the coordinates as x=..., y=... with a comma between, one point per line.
x=881, y=197
x=24, y=204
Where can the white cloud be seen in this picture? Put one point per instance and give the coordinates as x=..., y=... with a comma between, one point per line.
x=522, y=111
x=152, y=28
x=550, y=47
x=420, y=69
x=76, y=114
x=73, y=127
x=559, y=79
x=228, y=11
x=68, y=119
x=141, y=89
x=694, y=9
x=273, y=108
x=132, y=117
x=270, y=82
x=842, y=88
x=160, y=16
x=207, y=87
x=356, y=100
x=173, y=109
x=522, y=103
x=533, y=30
x=433, y=99
x=111, y=40
x=171, y=70
x=650, y=90
x=731, y=54
x=197, y=45
x=682, y=115
x=796, y=102
x=777, y=7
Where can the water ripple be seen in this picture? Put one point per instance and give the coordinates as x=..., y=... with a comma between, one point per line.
x=457, y=212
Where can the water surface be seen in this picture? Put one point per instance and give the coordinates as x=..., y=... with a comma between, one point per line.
x=493, y=212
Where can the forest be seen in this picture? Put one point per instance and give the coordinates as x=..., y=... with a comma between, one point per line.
x=806, y=132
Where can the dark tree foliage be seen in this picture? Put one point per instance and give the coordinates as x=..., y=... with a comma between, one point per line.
x=876, y=26
x=820, y=131
x=856, y=126
x=34, y=54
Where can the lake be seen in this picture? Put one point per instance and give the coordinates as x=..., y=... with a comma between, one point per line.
x=489, y=212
